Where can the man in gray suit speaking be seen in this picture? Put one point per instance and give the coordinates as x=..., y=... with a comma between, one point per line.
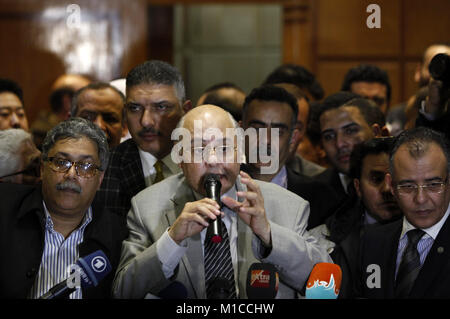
x=168, y=223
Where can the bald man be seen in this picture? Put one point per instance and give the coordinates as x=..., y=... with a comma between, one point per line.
x=261, y=222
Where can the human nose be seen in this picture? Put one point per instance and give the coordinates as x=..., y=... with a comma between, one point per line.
x=341, y=140
x=100, y=122
x=72, y=171
x=147, y=118
x=14, y=120
x=421, y=195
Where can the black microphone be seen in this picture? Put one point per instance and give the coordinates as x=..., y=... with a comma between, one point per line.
x=219, y=289
x=92, y=269
x=212, y=186
x=262, y=281
x=175, y=290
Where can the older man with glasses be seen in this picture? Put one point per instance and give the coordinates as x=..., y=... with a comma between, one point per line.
x=45, y=229
x=412, y=254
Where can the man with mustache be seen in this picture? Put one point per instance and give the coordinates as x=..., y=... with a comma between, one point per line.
x=46, y=229
x=412, y=253
x=374, y=204
x=102, y=104
x=155, y=102
x=261, y=222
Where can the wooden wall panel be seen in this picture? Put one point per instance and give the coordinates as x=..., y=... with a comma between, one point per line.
x=342, y=29
x=426, y=22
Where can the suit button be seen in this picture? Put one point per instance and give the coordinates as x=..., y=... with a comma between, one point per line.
x=31, y=272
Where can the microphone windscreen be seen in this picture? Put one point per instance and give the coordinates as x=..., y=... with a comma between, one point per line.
x=262, y=281
x=175, y=290
x=324, y=282
x=94, y=267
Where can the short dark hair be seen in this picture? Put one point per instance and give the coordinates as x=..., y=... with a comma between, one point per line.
x=367, y=73
x=417, y=140
x=272, y=93
x=92, y=86
x=8, y=85
x=157, y=72
x=57, y=96
x=373, y=146
x=297, y=75
x=369, y=110
x=223, y=85
x=77, y=127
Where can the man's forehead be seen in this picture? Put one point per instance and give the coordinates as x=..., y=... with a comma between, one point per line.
x=342, y=116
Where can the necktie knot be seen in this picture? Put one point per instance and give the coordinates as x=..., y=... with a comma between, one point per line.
x=414, y=236
x=159, y=171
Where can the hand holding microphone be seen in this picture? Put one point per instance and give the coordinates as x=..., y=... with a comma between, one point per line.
x=197, y=215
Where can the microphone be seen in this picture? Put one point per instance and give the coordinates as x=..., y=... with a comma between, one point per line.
x=91, y=270
x=219, y=289
x=262, y=281
x=212, y=186
x=175, y=290
x=324, y=282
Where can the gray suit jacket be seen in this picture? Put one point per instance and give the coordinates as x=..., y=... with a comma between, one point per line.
x=154, y=209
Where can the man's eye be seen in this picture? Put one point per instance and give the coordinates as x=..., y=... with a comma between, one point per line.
x=351, y=130
x=134, y=107
x=328, y=137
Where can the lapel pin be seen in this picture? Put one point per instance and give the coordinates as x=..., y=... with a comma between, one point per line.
x=440, y=250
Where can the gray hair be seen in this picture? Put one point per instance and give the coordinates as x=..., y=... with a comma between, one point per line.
x=77, y=128
x=417, y=140
x=10, y=142
x=157, y=72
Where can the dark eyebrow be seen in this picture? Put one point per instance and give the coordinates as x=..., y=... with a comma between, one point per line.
x=349, y=125
x=68, y=156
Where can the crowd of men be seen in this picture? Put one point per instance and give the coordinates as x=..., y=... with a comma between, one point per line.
x=305, y=178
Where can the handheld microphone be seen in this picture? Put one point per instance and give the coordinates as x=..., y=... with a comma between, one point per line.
x=262, y=281
x=175, y=290
x=92, y=269
x=219, y=289
x=212, y=186
x=324, y=282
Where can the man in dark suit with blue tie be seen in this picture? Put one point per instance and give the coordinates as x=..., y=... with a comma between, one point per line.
x=410, y=258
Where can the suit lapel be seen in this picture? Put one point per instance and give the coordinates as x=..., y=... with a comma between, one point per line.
x=192, y=261
x=437, y=258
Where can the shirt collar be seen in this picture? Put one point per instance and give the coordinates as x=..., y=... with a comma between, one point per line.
x=148, y=161
x=345, y=180
x=432, y=231
x=281, y=178
x=49, y=222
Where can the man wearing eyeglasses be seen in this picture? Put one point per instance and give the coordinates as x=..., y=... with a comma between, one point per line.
x=46, y=229
x=412, y=253
x=155, y=102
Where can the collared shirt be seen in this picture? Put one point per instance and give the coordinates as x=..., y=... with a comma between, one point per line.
x=368, y=219
x=59, y=255
x=281, y=178
x=425, y=243
x=170, y=253
x=345, y=180
x=148, y=166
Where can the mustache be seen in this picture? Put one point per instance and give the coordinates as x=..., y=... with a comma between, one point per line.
x=69, y=185
x=150, y=130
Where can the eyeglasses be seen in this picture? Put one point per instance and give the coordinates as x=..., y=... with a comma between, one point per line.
x=222, y=152
x=82, y=169
x=429, y=188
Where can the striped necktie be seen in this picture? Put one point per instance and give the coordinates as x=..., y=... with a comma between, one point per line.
x=159, y=171
x=410, y=264
x=219, y=268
